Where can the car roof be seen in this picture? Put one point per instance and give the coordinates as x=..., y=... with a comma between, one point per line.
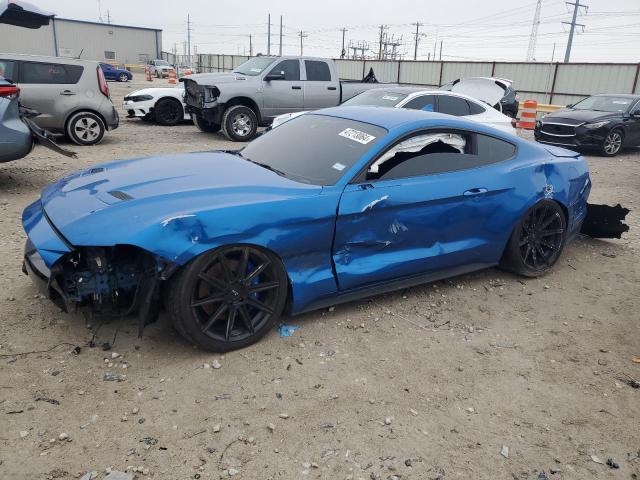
x=48, y=59
x=416, y=91
x=388, y=117
x=622, y=95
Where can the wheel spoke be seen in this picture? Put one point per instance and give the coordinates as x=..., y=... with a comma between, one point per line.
x=527, y=252
x=549, y=221
x=548, y=233
x=246, y=319
x=259, y=305
x=257, y=271
x=261, y=287
x=218, y=313
x=207, y=300
x=542, y=216
x=231, y=320
x=548, y=245
x=523, y=241
x=214, y=282
x=224, y=265
x=242, y=266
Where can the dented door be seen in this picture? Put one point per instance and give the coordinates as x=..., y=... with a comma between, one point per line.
x=387, y=230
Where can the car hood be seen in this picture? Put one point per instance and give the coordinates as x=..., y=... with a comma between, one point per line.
x=112, y=203
x=216, y=78
x=483, y=89
x=577, y=117
x=159, y=91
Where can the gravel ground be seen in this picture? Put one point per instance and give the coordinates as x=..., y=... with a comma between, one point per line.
x=426, y=383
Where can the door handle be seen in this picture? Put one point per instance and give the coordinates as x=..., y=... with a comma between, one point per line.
x=67, y=92
x=332, y=88
x=296, y=87
x=475, y=191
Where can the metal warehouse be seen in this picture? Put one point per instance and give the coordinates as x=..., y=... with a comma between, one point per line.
x=89, y=40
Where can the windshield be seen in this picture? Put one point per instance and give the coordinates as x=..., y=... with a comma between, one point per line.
x=377, y=97
x=314, y=149
x=162, y=63
x=604, y=104
x=255, y=66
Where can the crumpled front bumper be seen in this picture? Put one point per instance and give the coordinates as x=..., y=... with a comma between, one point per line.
x=138, y=109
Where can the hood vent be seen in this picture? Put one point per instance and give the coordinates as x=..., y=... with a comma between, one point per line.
x=120, y=195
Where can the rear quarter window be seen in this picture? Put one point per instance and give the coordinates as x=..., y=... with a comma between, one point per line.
x=493, y=150
x=8, y=69
x=50, y=73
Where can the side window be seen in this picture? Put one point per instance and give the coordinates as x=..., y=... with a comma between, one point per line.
x=50, y=73
x=8, y=69
x=493, y=150
x=424, y=102
x=109, y=55
x=317, y=71
x=453, y=105
x=291, y=69
x=475, y=108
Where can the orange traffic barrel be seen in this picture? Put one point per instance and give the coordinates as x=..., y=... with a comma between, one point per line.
x=147, y=71
x=528, y=115
x=172, y=76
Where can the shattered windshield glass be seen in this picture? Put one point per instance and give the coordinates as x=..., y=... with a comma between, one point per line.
x=255, y=66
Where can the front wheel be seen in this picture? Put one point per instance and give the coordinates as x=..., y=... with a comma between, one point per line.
x=123, y=77
x=203, y=125
x=85, y=128
x=612, y=143
x=239, y=123
x=228, y=298
x=168, y=112
x=537, y=241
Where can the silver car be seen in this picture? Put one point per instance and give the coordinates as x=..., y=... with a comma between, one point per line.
x=72, y=96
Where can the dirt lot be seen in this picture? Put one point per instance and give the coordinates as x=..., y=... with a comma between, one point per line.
x=427, y=383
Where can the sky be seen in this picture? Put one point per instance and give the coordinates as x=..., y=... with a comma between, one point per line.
x=468, y=29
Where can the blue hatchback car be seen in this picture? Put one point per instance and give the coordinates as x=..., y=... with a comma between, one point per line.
x=116, y=73
x=334, y=205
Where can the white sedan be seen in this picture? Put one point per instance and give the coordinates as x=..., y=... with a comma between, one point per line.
x=165, y=105
x=456, y=104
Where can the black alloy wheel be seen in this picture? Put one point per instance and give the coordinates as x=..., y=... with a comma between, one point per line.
x=168, y=112
x=538, y=240
x=229, y=298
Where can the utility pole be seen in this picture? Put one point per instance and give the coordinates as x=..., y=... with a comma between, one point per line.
x=417, y=39
x=188, y=61
x=440, y=50
x=531, y=51
x=302, y=36
x=280, y=35
x=269, y=34
x=108, y=16
x=382, y=27
x=576, y=8
x=250, y=46
x=343, y=51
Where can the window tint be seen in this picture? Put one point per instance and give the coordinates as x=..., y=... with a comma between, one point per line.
x=314, y=149
x=492, y=150
x=475, y=108
x=36, y=72
x=317, y=71
x=291, y=69
x=423, y=102
x=8, y=69
x=453, y=105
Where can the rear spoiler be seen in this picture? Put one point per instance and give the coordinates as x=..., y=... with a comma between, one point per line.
x=561, y=152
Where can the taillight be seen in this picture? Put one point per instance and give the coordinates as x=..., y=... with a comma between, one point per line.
x=514, y=123
x=9, y=91
x=102, y=83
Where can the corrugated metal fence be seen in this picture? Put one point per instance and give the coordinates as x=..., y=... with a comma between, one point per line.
x=555, y=83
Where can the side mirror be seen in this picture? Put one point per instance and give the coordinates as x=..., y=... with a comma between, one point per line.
x=275, y=76
x=570, y=105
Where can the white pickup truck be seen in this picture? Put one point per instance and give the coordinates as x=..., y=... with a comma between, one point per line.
x=262, y=88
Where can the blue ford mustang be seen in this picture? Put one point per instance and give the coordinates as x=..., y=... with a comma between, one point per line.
x=334, y=205
x=116, y=73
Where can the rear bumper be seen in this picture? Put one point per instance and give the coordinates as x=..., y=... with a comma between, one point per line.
x=112, y=118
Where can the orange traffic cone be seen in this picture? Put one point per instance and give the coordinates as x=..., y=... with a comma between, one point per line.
x=147, y=71
x=172, y=76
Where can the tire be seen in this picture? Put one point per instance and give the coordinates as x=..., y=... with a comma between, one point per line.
x=123, y=77
x=239, y=123
x=537, y=241
x=203, y=125
x=228, y=298
x=85, y=128
x=157, y=74
x=168, y=112
x=612, y=144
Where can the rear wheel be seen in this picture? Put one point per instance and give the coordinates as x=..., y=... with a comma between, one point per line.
x=239, y=123
x=168, y=112
x=123, y=77
x=537, y=241
x=203, y=125
x=85, y=128
x=612, y=143
x=228, y=298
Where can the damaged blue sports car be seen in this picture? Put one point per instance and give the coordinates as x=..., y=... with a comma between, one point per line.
x=332, y=206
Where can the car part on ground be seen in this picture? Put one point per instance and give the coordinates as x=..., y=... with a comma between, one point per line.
x=144, y=104
x=604, y=123
x=61, y=89
x=267, y=87
x=497, y=92
x=300, y=219
x=205, y=126
x=604, y=221
x=456, y=104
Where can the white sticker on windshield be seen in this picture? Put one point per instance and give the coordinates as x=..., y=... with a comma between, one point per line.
x=257, y=70
x=620, y=102
x=339, y=166
x=389, y=97
x=356, y=135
